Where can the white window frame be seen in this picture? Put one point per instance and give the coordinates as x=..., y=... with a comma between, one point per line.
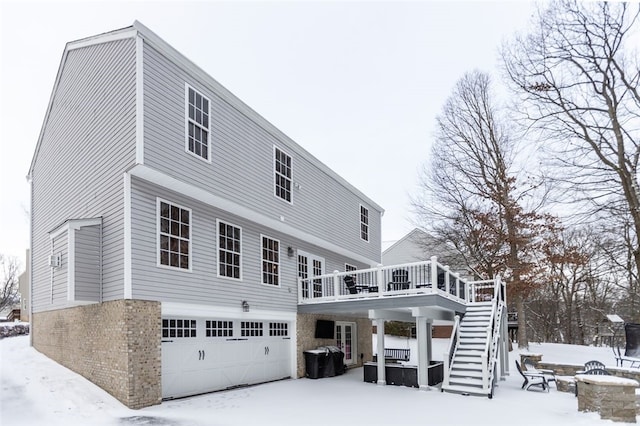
x=310, y=268
x=276, y=174
x=159, y=234
x=362, y=223
x=263, y=260
x=349, y=267
x=218, y=248
x=188, y=120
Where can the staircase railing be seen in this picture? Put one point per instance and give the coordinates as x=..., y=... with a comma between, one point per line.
x=454, y=342
x=487, y=353
x=497, y=310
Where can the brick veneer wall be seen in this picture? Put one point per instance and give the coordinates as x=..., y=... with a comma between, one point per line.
x=306, y=337
x=116, y=345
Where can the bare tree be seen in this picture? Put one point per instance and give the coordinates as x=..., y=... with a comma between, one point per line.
x=577, y=79
x=10, y=267
x=472, y=196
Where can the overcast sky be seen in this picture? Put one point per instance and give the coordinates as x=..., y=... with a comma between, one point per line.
x=357, y=84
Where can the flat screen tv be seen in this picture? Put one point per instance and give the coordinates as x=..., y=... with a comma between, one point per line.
x=325, y=329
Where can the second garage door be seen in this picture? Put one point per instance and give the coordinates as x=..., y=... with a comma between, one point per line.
x=202, y=355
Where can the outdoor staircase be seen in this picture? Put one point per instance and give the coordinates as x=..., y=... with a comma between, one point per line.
x=473, y=359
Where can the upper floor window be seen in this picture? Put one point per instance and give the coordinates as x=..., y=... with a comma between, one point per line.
x=229, y=250
x=270, y=261
x=174, y=235
x=198, y=138
x=364, y=223
x=282, y=170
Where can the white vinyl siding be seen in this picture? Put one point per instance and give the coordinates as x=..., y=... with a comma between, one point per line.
x=198, y=134
x=93, y=105
x=270, y=261
x=242, y=168
x=229, y=250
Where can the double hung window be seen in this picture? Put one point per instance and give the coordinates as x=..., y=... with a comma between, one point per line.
x=282, y=170
x=174, y=235
x=198, y=135
x=229, y=250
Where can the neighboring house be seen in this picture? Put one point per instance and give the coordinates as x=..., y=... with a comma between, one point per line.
x=23, y=288
x=169, y=226
x=419, y=245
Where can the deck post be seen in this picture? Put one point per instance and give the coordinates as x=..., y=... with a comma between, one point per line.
x=382, y=380
x=447, y=282
x=336, y=283
x=434, y=272
x=380, y=281
x=423, y=334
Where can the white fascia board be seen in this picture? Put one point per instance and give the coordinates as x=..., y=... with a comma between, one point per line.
x=120, y=34
x=180, y=60
x=224, y=312
x=158, y=178
x=74, y=224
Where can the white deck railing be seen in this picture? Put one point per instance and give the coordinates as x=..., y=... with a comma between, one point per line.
x=428, y=277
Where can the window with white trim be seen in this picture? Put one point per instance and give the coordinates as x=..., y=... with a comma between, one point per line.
x=282, y=170
x=303, y=272
x=364, y=223
x=174, y=235
x=270, y=261
x=229, y=250
x=198, y=135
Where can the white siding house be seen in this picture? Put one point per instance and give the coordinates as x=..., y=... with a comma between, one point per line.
x=170, y=224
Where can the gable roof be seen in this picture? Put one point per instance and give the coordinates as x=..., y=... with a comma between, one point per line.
x=139, y=30
x=419, y=245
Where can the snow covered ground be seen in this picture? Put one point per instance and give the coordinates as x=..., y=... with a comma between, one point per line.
x=34, y=390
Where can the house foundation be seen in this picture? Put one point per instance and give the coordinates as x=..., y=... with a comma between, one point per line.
x=115, y=345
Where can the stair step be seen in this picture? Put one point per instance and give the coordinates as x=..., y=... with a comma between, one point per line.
x=483, y=312
x=471, y=340
x=468, y=359
x=467, y=367
x=465, y=373
x=472, y=347
x=469, y=352
x=466, y=390
x=466, y=382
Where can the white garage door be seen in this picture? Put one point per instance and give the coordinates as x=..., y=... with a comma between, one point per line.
x=203, y=355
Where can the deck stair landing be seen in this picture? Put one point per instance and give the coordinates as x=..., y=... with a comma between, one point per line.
x=467, y=374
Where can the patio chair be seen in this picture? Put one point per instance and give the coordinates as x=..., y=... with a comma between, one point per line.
x=399, y=280
x=593, y=364
x=617, y=355
x=549, y=375
x=353, y=288
x=532, y=379
x=597, y=372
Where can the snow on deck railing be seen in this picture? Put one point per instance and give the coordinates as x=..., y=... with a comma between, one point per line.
x=408, y=278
